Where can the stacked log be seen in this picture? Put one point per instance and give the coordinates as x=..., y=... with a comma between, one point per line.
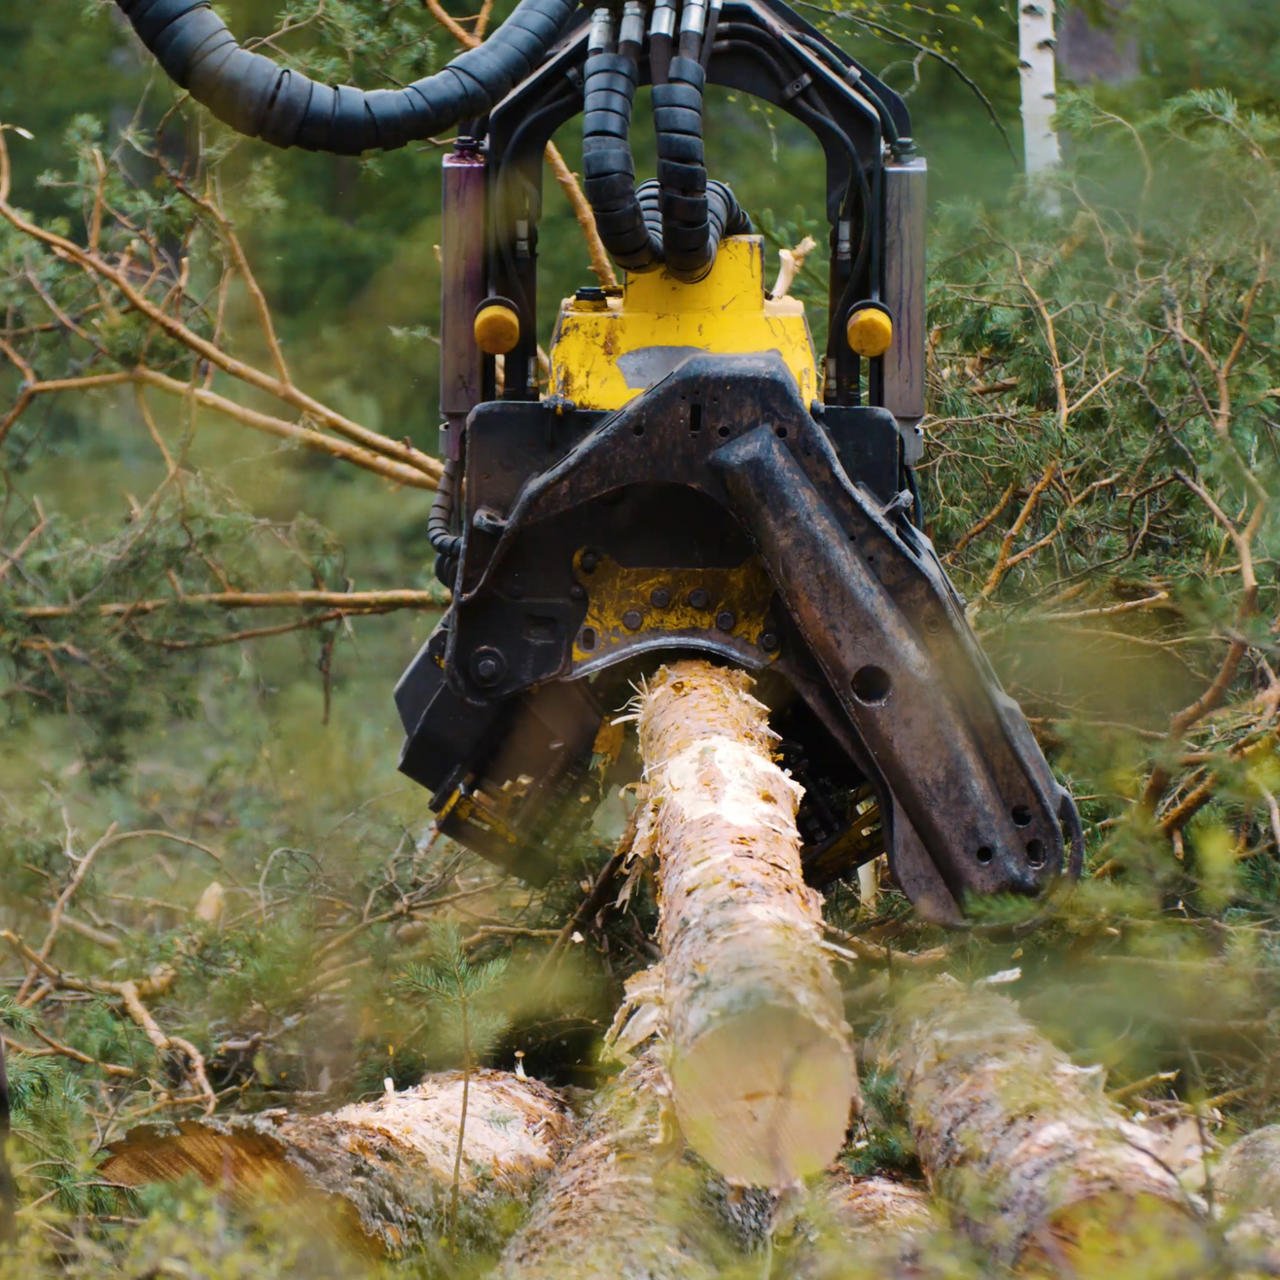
x=748, y=1067
x=379, y=1174
x=623, y=1204
x=1247, y=1184
x=1042, y=1169
x=760, y=1058
x=854, y=1226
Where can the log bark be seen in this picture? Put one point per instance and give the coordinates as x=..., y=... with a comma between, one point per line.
x=1041, y=1168
x=849, y=1226
x=623, y=1204
x=1247, y=1183
x=760, y=1058
x=378, y=1174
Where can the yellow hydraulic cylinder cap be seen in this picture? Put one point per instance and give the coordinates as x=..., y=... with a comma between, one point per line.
x=497, y=327
x=870, y=331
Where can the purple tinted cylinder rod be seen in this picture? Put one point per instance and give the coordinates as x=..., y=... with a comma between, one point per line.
x=462, y=289
x=904, y=288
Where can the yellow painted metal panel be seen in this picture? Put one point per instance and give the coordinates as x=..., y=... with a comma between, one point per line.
x=602, y=357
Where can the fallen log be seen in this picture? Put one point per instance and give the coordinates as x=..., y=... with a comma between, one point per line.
x=379, y=1174
x=623, y=1204
x=1247, y=1184
x=760, y=1058
x=1041, y=1168
x=848, y=1225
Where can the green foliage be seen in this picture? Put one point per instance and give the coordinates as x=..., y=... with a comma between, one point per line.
x=882, y=1144
x=464, y=1021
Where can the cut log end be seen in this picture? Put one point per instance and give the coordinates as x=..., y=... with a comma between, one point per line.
x=764, y=1097
x=246, y=1167
x=378, y=1174
x=1248, y=1185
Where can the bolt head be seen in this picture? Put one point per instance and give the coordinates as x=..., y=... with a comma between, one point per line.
x=660, y=597
x=488, y=666
x=632, y=619
x=699, y=598
x=589, y=560
x=770, y=642
x=577, y=592
x=725, y=621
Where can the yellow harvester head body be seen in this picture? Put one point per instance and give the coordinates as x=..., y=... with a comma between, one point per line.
x=609, y=348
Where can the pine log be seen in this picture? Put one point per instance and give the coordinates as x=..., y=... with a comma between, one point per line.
x=623, y=1204
x=379, y=1174
x=849, y=1226
x=1247, y=1184
x=760, y=1058
x=1041, y=1168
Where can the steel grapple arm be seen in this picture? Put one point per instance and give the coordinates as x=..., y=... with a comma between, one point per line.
x=715, y=514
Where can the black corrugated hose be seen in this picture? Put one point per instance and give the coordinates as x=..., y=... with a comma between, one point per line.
x=696, y=213
x=257, y=97
x=440, y=533
x=680, y=219
x=633, y=240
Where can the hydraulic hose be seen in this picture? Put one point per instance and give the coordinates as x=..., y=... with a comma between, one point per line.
x=257, y=97
x=444, y=541
x=633, y=240
x=696, y=214
x=679, y=220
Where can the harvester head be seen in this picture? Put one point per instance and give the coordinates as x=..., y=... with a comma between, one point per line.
x=687, y=475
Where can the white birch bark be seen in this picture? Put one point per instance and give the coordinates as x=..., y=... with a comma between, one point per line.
x=1038, y=70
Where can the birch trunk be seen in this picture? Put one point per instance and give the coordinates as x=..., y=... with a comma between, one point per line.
x=378, y=1174
x=761, y=1064
x=1037, y=67
x=1042, y=1169
x=622, y=1205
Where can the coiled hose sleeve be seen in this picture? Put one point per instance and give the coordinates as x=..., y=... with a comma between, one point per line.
x=633, y=240
x=257, y=97
x=696, y=214
x=444, y=541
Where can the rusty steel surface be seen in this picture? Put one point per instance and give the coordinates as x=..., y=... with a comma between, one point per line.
x=718, y=515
